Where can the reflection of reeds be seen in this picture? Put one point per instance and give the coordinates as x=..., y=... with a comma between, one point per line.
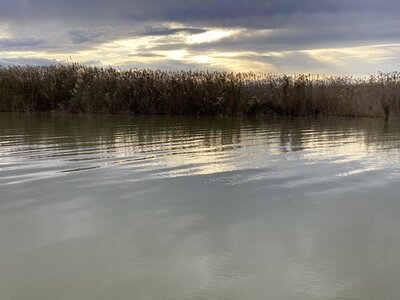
x=82, y=89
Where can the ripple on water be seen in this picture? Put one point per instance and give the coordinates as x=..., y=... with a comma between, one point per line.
x=198, y=208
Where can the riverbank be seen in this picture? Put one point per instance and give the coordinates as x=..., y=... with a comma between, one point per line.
x=82, y=89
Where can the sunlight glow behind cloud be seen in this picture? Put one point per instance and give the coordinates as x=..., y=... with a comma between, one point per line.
x=329, y=37
x=211, y=36
x=130, y=53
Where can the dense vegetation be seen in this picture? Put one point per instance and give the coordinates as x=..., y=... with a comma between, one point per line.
x=82, y=89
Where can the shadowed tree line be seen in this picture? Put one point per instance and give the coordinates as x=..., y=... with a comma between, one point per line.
x=83, y=89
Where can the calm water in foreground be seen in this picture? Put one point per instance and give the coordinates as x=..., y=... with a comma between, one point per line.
x=118, y=207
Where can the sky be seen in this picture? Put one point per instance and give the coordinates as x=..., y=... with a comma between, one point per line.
x=332, y=37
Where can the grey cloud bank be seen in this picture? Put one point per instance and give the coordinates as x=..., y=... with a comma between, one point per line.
x=151, y=27
x=192, y=11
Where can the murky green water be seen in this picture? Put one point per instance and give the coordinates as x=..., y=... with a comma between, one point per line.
x=117, y=207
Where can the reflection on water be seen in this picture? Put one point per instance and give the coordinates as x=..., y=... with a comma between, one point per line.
x=118, y=207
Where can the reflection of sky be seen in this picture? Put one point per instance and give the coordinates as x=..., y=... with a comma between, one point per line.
x=184, y=237
x=187, y=150
x=199, y=210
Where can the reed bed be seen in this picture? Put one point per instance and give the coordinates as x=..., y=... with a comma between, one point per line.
x=82, y=89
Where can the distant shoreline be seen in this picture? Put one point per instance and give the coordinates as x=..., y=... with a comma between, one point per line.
x=93, y=90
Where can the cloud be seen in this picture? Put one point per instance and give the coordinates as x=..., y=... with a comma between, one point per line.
x=27, y=61
x=165, y=30
x=80, y=36
x=9, y=44
x=225, y=34
x=222, y=12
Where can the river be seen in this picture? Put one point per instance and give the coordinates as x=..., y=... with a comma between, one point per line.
x=168, y=207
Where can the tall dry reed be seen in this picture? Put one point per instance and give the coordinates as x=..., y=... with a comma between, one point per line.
x=82, y=89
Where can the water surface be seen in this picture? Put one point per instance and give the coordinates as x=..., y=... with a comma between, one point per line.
x=119, y=207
